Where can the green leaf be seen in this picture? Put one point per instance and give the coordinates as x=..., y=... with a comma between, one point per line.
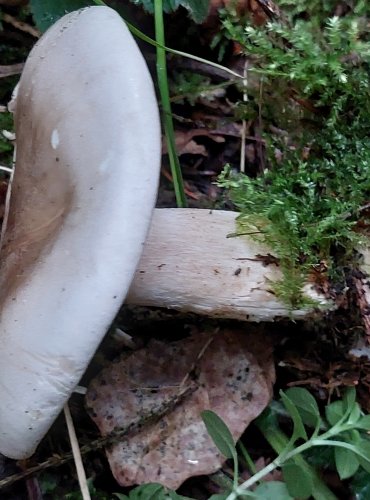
x=306, y=405
x=175, y=496
x=355, y=414
x=269, y=416
x=346, y=462
x=219, y=496
x=151, y=491
x=364, y=423
x=349, y=399
x=48, y=483
x=276, y=490
x=47, y=12
x=364, y=448
x=334, y=412
x=121, y=496
x=298, y=480
x=352, y=436
x=198, y=9
x=219, y=433
x=298, y=430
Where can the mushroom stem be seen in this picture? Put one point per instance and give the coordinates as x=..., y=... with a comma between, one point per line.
x=85, y=183
x=189, y=263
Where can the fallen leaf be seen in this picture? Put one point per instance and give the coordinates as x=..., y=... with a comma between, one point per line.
x=193, y=148
x=233, y=375
x=185, y=143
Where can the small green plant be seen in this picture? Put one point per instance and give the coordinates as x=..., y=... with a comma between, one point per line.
x=343, y=428
x=151, y=491
x=310, y=85
x=51, y=486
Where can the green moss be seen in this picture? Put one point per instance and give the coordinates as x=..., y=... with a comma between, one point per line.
x=313, y=89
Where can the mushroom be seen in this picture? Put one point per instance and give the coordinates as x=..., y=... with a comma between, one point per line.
x=85, y=184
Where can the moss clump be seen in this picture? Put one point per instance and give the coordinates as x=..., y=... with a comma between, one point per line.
x=312, y=90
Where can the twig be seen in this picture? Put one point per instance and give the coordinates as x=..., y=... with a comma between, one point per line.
x=20, y=25
x=260, y=126
x=346, y=215
x=81, y=475
x=10, y=70
x=99, y=443
x=3, y=168
x=198, y=358
x=244, y=122
x=235, y=235
x=364, y=207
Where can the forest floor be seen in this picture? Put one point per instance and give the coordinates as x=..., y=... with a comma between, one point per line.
x=314, y=354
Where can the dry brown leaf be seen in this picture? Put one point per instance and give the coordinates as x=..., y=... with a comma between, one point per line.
x=233, y=373
x=193, y=148
x=186, y=144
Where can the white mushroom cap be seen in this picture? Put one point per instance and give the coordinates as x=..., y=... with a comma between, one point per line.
x=88, y=157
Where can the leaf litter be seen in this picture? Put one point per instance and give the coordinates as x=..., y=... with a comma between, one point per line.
x=231, y=373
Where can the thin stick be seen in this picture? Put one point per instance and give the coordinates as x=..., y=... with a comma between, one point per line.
x=3, y=168
x=76, y=454
x=96, y=444
x=244, y=122
x=20, y=25
x=259, y=144
x=9, y=70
